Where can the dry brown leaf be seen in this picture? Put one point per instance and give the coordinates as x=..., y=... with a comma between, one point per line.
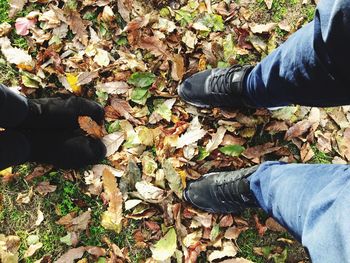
x=234, y=232
x=71, y=255
x=45, y=187
x=178, y=69
x=124, y=109
x=259, y=226
x=124, y=9
x=259, y=28
x=73, y=223
x=38, y=171
x=90, y=127
x=112, y=218
x=77, y=26
x=25, y=198
x=272, y=225
x=16, y=6
x=298, y=129
x=153, y=45
x=260, y=150
x=306, y=152
x=276, y=126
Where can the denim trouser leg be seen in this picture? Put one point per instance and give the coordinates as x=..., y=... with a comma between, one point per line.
x=13, y=108
x=312, y=67
x=312, y=201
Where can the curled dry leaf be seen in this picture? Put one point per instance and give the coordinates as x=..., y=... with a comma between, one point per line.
x=228, y=250
x=90, y=127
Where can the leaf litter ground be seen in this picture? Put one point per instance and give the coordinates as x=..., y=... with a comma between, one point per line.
x=130, y=56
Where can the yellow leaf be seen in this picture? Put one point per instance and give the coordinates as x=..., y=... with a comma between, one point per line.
x=6, y=172
x=112, y=218
x=72, y=80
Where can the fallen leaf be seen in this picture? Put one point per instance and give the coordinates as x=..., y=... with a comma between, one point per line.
x=90, y=127
x=298, y=129
x=268, y=3
x=25, y=198
x=32, y=249
x=15, y=55
x=71, y=255
x=112, y=142
x=149, y=192
x=228, y=250
x=112, y=218
x=178, y=69
x=216, y=139
x=77, y=26
x=173, y=178
x=165, y=247
x=16, y=6
x=265, y=28
x=116, y=87
x=40, y=218
x=192, y=135
x=272, y=225
x=45, y=187
x=23, y=25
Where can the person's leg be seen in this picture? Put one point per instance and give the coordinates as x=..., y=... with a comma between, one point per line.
x=14, y=149
x=310, y=68
x=311, y=201
x=13, y=108
x=17, y=111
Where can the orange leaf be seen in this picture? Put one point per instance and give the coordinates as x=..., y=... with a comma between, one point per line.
x=90, y=127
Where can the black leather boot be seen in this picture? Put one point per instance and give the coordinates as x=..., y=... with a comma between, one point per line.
x=222, y=192
x=59, y=113
x=220, y=87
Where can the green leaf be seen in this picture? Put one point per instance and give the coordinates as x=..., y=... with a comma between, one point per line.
x=142, y=79
x=215, y=22
x=202, y=154
x=165, y=247
x=232, y=150
x=173, y=178
x=214, y=232
x=113, y=127
x=184, y=17
x=140, y=95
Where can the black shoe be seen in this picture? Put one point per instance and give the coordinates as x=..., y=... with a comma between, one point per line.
x=64, y=149
x=216, y=88
x=59, y=113
x=222, y=192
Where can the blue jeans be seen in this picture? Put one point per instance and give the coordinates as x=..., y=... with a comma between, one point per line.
x=312, y=202
x=311, y=68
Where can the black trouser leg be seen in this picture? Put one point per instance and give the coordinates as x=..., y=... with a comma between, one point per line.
x=14, y=148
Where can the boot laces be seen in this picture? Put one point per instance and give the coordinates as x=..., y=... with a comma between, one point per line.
x=226, y=194
x=221, y=81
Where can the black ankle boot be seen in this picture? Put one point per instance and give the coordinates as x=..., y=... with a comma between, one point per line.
x=59, y=113
x=64, y=149
x=216, y=88
x=222, y=192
